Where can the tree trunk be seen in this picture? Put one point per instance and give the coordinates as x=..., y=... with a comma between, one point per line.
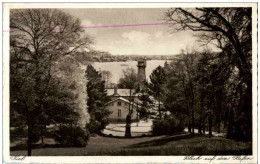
x=248, y=111
x=200, y=123
x=130, y=101
x=203, y=124
x=29, y=142
x=210, y=124
x=29, y=132
x=230, y=128
x=189, y=121
x=200, y=127
x=192, y=117
x=201, y=112
x=219, y=109
x=159, y=107
x=71, y=127
x=43, y=129
x=230, y=125
x=219, y=126
x=189, y=127
x=42, y=135
x=218, y=120
x=128, y=127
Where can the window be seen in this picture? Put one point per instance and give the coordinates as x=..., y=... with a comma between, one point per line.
x=119, y=103
x=119, y=112
x=125, y=103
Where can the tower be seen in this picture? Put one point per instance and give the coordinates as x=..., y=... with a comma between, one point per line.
x=141, y=76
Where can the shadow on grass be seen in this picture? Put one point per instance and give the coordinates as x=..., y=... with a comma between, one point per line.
x=161, y=141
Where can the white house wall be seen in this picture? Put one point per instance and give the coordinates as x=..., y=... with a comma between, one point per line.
x=113, y=107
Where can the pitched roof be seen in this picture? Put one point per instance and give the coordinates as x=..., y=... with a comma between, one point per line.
x=120, y=92
x=123, y=99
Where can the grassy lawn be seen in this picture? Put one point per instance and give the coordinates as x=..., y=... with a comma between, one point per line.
x=158, y=145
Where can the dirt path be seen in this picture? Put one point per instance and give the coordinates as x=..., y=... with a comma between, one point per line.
x=118, y=129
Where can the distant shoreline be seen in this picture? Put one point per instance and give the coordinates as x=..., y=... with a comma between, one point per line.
x=116, y=67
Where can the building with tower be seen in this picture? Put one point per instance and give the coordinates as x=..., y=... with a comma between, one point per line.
x=121, y=98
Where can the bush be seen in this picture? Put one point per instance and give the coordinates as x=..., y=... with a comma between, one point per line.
x=93, y=126
x=169, y=125
x=18, y=132
x=72, y=136
x=21, y=132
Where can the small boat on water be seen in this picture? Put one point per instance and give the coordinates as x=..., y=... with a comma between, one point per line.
x=124, y=65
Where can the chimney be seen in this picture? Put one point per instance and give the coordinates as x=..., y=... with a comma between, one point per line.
x=115, y=91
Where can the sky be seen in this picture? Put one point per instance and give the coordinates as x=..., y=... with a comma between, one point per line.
x=134, y=40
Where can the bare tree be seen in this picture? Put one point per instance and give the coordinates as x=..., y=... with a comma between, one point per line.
x=223, y=27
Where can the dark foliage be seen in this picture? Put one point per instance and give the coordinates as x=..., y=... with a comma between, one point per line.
x=97, y=99
x=169, y=125
x=221, y=82
x=94, y=126
x=129, y=79
x=72, y=136
x=145, y=102
x=157, y=86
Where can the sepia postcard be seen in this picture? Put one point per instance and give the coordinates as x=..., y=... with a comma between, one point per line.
x=130, y=82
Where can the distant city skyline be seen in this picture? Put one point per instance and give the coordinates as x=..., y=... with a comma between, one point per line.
x=133, y=40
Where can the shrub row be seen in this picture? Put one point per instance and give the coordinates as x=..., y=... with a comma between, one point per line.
x=169, y=125
x=72, y=136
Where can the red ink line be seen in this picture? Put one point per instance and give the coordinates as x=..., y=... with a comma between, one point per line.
x=126, y=25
